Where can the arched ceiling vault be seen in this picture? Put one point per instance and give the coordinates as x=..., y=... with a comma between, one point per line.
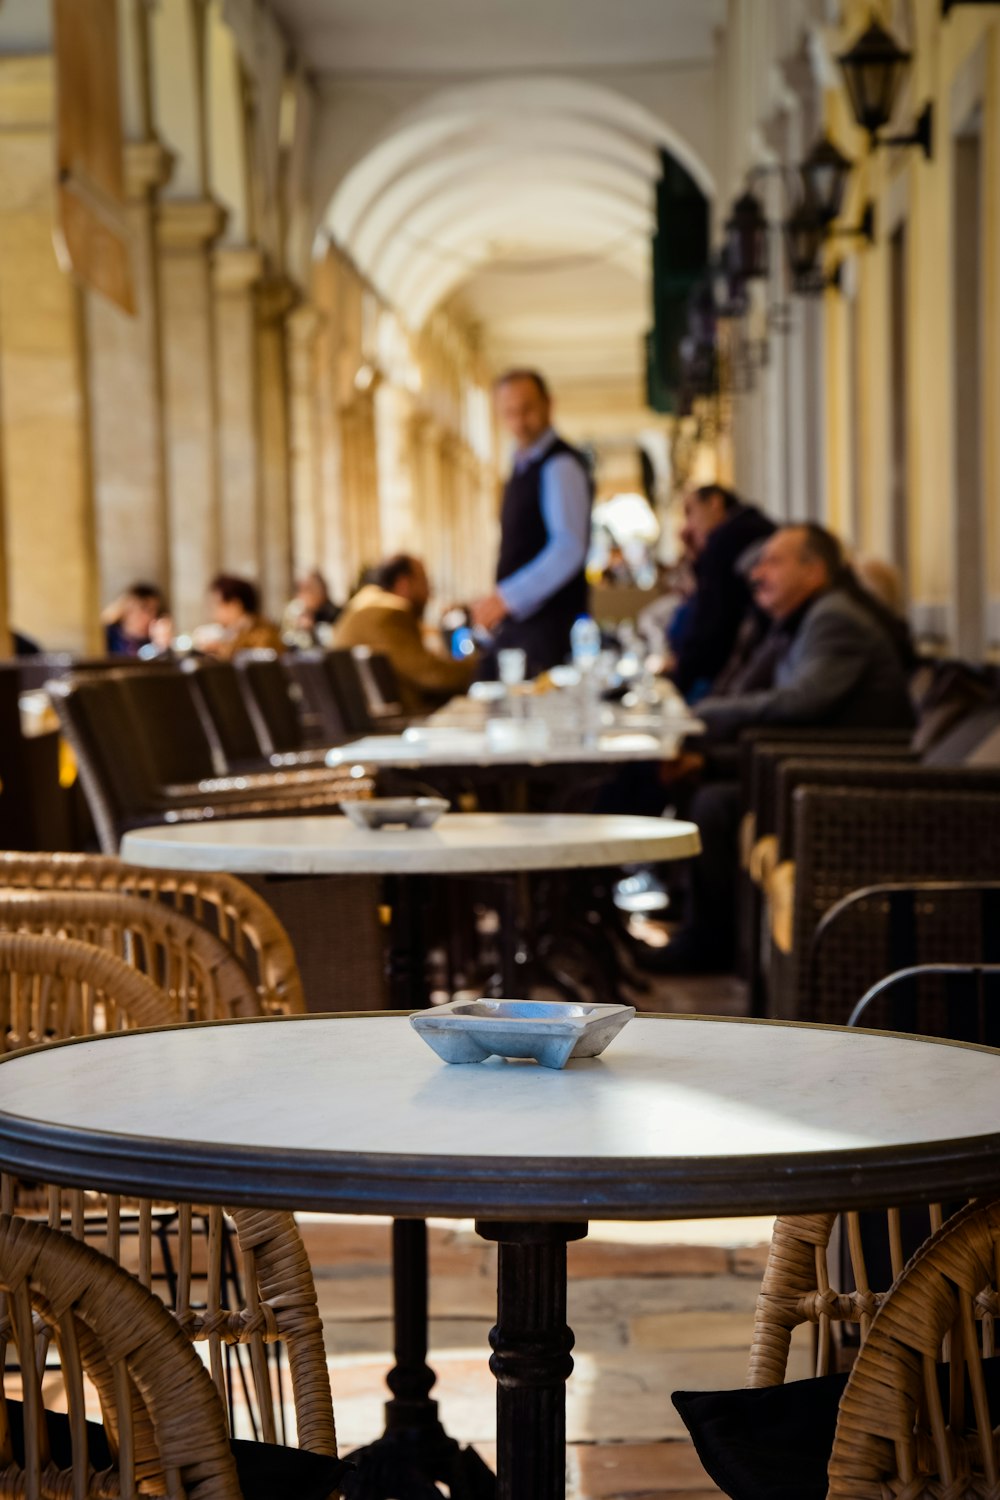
x=528, y=202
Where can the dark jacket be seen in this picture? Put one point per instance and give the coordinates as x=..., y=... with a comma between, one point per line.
x=721, y=598
x=841, y=670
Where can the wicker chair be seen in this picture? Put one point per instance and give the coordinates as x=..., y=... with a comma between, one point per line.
x=278, y=1305
x=883, y=928
x=237, y=914
x=164, y=1429
x=200, y=975
x=840, y=838
x=908, y=1428
x=52, y=988
x=132, y=766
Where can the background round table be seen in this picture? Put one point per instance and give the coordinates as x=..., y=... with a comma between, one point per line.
x=458, y=844
x=468, y=749
x=681, y=1117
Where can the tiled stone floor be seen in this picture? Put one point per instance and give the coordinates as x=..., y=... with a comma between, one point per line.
x=654, y=1308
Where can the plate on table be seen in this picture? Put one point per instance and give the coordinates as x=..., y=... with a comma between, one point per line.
x=395, y=812
x=548, y=1031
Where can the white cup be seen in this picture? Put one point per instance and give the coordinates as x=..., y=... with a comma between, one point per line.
x=512, y=664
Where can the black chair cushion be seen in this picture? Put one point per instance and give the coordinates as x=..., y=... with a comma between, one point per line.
x=769, y=1443
x=266, y=1471
x=774, y=1442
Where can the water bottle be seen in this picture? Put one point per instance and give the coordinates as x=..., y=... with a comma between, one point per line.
x=585, y=642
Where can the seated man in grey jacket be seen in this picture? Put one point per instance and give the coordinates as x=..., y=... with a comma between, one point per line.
x=829, y=660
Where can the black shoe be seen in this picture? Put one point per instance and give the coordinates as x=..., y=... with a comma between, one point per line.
x=684, y=954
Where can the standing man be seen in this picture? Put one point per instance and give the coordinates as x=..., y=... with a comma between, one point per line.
x=544, y=532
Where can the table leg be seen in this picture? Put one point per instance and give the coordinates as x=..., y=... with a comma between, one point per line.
x=407, y=958
x=531, y=1357
x=414, y=1452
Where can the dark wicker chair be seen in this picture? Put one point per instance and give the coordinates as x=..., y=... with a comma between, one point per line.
x=272, y=699
x=843, y=829
x=884, y=928
x=217, y=691
x=124, y=744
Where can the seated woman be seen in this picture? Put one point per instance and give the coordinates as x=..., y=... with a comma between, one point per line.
x=236, y=609
x=129, y=622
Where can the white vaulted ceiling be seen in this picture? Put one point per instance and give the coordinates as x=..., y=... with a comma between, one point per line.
x=449, y=36
x=517, y=182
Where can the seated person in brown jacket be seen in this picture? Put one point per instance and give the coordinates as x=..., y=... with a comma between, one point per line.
x=242, y=627
x=385, y=615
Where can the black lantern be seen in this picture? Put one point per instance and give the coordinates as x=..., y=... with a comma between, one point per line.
x=805, y=233
x=746, y=252
x=874, y=70
x=824, y=175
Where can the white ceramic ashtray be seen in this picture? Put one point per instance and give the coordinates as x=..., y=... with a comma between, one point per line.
x=395, y=812
x=550, y=1031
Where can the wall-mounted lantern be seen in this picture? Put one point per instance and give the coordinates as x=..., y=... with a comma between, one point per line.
x=824, y=175
x=874, y=71
x=746, y=249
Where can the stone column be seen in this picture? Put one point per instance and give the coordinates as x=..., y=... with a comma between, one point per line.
x=308, y=540
x=275, y=299
x=44, y=419
x=236, y=271
x=126, y=394
x=186, y=230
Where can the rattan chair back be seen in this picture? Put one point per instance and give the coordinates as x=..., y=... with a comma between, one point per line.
x=112, y=757
x=898, y=1433
x=163, y=1422
x=348, y=689
x=321, y=710
x=217, y=687
x=379, y=683
x=271, y=699
x=200, y=975
x=166, y=713
x=200, y=1285
x=227, y=906
x=801, y=1285
x=52, y=988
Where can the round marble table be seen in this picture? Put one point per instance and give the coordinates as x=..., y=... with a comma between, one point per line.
x=458, y=844
x=681, y=1117
x=466, y=749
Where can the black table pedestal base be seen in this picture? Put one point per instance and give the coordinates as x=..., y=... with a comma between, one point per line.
x=531, y=1357
x=414, y=1453
x=405, y=1463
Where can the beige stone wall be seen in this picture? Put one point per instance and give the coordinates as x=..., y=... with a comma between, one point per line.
x=44, y=417
x=262, y=411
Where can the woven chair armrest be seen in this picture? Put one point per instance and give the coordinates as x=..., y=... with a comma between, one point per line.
x=188, y=810
x=884, y=775
x=260, y=783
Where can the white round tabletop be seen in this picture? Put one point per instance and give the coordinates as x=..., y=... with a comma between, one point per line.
x=680, y=1116
x=468, y=749
x=459, y=843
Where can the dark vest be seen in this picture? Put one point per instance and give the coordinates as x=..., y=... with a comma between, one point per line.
x=522, y=537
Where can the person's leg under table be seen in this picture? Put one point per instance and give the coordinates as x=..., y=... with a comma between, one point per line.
x=531, y=1356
